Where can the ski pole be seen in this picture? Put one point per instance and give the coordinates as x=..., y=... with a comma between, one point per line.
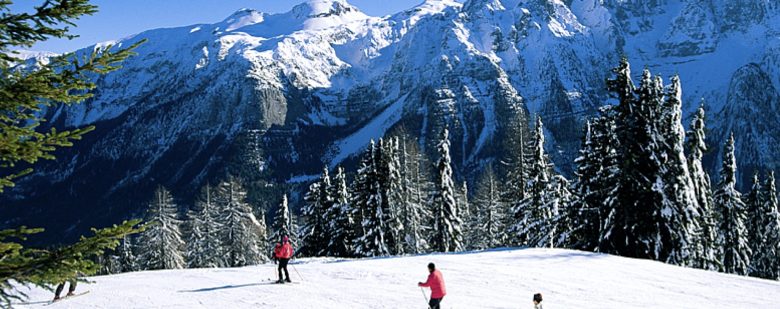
x=276, y=271
x=425, y=297
x=296, y=271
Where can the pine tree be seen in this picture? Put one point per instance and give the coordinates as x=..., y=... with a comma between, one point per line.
x=597, y=174
x=679, y=208
x=705, y=251
x=204, y=247
x=284, y=224
x=447, y=235
x=766, y=262
x=262, y=235
x=734, y=251
x=160, y=245
x=516, y=170
x=755, y=223
x=617, y=231
x=464, y=211
x=488, y=228
x=464, y=206
x=109, y=264
x=537, y=223
x=652, y=207
x=367, y=199
x=62, y=81
x=560, y=199
x=637, y=222
x=585, y=212
x=389, y=178
x=315, y=231
x=339, y=217
x=514, y=189
x=416, y=185
x=127, y=260
x=241, y=233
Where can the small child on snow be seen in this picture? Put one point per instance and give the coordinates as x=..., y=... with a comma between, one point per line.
x=538, y=301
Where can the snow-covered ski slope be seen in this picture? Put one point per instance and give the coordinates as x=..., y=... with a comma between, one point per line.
x=493, y=279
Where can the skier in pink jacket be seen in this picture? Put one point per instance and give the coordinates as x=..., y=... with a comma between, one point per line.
x=436, y=283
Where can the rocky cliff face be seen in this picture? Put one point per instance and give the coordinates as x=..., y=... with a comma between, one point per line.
x=751, y=114
x=279, y=95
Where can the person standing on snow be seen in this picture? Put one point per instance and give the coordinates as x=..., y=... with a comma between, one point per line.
x=282, y=253
x=538, y=301
x=436, y=283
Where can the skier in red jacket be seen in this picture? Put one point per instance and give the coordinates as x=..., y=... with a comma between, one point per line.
x=436, y=283
x=283, y=252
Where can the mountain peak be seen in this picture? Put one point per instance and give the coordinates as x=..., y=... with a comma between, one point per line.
x=243, y=17
x=323, y=8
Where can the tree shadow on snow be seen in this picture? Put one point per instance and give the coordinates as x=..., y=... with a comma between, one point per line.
x=224, y=287
x=342, y=260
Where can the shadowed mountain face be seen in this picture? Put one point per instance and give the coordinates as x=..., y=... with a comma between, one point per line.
x=276, y=96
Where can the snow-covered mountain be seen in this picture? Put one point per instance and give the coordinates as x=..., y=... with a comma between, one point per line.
x=493, y=279
x=283, y=94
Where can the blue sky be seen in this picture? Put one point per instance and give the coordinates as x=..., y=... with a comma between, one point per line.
x=119, y=18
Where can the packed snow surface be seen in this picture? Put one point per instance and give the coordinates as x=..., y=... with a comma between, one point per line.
x=492, y=279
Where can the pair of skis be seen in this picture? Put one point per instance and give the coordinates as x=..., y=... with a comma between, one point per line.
x=272, y=281
x=65, y=298
x=51, y=302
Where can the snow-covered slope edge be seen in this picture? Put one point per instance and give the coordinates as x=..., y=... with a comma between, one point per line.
x=493, y=279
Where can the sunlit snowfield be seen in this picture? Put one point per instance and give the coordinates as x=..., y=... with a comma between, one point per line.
x=494, y=279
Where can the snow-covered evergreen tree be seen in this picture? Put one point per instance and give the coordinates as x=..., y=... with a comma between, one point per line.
x=284, y=224
x=447, y=234
x=109, y=264
x=559, y=201
x=637, y=228
x=537, y=220
x=619, y=231
x=679, y=207
x=766, y=260
x=653, y=214
x=204, y=247
x=597, y=173
x=488, y=228
x=464, y=210
x=704, y=248
x=734, y=250
x=515, y=186
x=597, y=158
x=416, y=185
x=367, y=200
x=754, y=223
x=315, y=231
x=339, y=217
x=127, y=259
x=515, y=171
x=160, y=245
x=465, y=214
x=388, y=174
x=262, y=235
x=241, y=233
x=584, y=213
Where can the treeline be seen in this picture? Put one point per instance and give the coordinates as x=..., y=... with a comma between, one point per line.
x=640, y=191
x=222, y=231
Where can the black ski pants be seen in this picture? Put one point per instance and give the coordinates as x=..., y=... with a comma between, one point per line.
x=434, y=303
x=61, y=286
x=283, y=266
